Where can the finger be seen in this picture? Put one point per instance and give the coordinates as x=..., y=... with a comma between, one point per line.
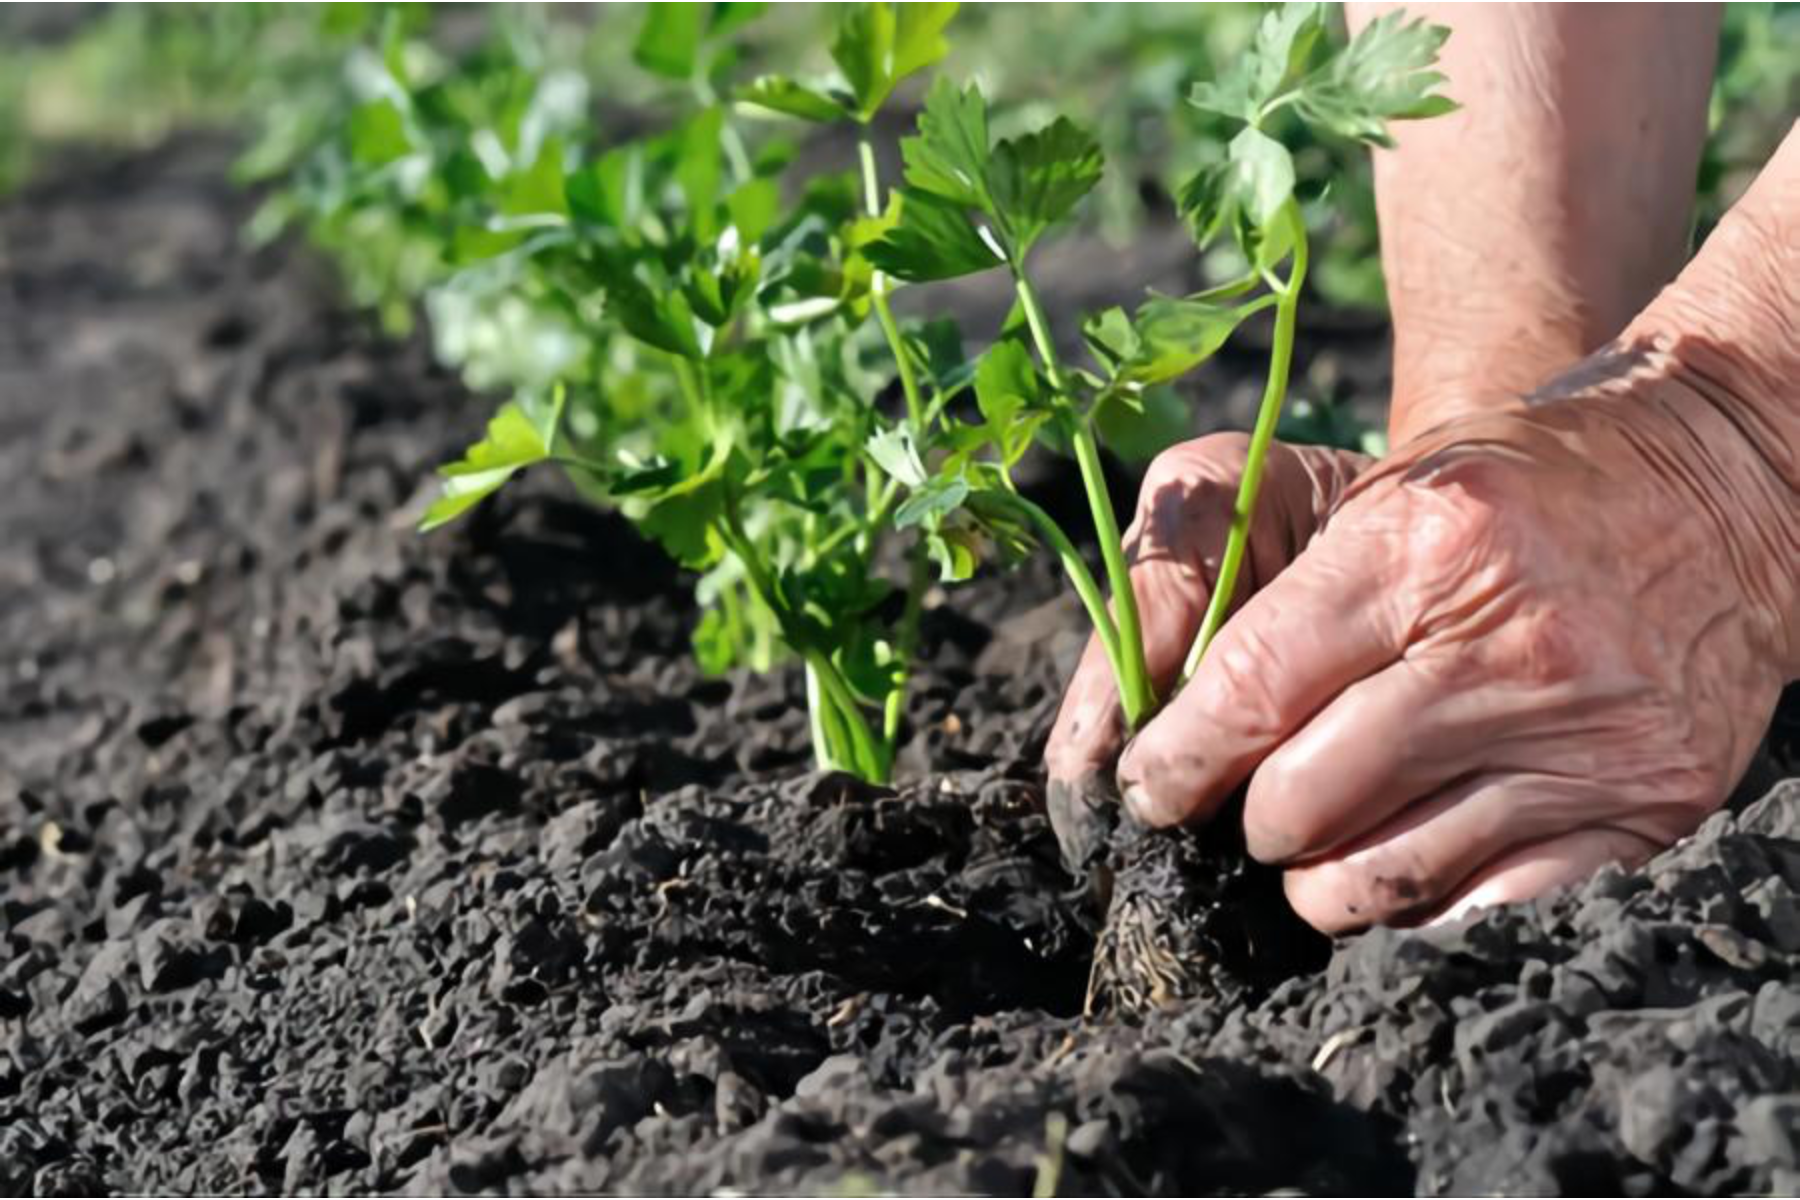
x=1411, y=865
x=1173, y=546
x=1323, y=624
x=1177, y=538
x=1381, y=744
x=1090, y=725
x=1532, y=871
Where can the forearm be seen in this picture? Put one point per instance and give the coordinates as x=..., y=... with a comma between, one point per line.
x=1526, y=229
x=1729, y=327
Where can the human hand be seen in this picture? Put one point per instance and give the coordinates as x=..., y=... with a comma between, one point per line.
x=1174, y=545
x=1529, y=643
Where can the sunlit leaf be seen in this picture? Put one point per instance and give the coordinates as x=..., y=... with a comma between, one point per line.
x=949, y=155
x=378, y=133
x=1284, y=40
x=932, y=500
x=1035, y=180
x=516, y=438
x=778, y=93
x=930, y=239
x=878, y=45
x=601, y=191
x=894, y=451
x=668, y=43
x=1384, y=74
x=1013, y=398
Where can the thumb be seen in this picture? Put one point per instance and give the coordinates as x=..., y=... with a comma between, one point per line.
x=1318, y=627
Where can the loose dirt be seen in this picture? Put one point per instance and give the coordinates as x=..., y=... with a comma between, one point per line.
x=336, y=858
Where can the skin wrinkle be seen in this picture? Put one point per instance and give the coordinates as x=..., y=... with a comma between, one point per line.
x=1721, y=625
x=1459, y=511
x=1710, y=482
x=1438, y=334
x=1449, y=606
x=1757, y=431
x=1599, y=581
x=1717, y=494
x=1710, y=309
x=1728, y=327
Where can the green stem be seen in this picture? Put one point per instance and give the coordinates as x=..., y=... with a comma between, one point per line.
x=1130, y=670
x=1087, y=588
x=886, y=498
x=817, y=722
x=841, y=717
x=878, y=292
x=890, y=328
x=1268, y=415
x=871, y=181
x=865, y=755
x=729, y=139
x=764, y=631
x=592, y=466
x=906, y=647
x=691, y=389
x=1040, y=328
x=733, y=143
x=1135, y=692
x=894, y=706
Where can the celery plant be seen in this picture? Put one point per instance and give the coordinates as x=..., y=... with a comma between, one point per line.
x=972, y=204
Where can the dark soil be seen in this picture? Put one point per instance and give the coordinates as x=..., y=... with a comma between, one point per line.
x=336, y=858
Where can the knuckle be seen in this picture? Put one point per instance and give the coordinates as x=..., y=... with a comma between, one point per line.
x=1188, y=490
x=1473, y=551
x=1328, y=474
x=1214, y=459
x=1170, y=469
x=1230, y=448
x=1461, y=519
x=1544, y=645
x=1242, y=668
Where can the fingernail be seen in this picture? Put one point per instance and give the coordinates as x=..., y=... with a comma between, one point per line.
x=1140, y=805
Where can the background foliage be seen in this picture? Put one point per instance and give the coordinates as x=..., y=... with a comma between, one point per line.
x=130, y=73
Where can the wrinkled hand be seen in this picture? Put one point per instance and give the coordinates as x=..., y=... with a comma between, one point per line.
x=1174, y=545
x=1529, y=643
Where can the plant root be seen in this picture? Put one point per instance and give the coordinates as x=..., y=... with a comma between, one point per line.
x=1189, y=917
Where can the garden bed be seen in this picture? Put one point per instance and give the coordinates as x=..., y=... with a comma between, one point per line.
x=338, y=858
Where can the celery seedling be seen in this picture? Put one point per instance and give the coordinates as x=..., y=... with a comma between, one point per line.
x=720, y=395
x=973, y=204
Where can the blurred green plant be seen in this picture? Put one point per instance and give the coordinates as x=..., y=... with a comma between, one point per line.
x=130, y=73
x=1755, y=97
